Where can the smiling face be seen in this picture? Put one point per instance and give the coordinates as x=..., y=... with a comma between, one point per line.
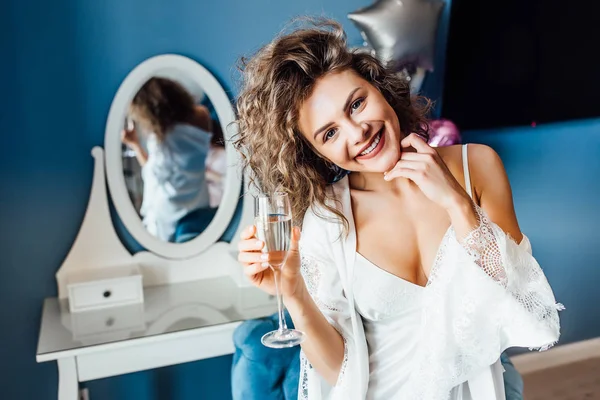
x=349, y=122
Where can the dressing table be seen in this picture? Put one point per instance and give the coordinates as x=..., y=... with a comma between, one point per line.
x=191, y=295
x=178, y=323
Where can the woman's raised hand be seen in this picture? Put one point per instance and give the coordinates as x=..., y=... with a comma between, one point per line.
x=426, y=168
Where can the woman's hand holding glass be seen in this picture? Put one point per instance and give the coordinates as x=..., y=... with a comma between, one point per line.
x=256, y=264
x=272, y=261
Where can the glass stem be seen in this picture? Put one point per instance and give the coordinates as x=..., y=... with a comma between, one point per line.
x=280, y=309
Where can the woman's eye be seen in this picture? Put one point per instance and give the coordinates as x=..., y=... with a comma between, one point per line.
x=329, y=134
x=356, y=105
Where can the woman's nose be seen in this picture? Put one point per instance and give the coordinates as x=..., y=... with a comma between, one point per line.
x=359, y=132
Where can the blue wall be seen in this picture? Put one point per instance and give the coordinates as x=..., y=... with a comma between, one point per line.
x=61, y=65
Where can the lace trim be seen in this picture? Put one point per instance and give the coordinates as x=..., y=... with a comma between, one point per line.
x=305, y=366
x=342, y=374
x=311, y=273
x=310, y=269
x=482, y=247
x=464, y=326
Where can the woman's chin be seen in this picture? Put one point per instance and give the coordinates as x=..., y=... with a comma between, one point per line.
x=388, y=162
x=380, y=168
x=381, y=163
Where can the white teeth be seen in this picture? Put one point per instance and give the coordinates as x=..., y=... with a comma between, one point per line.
x=372, y=146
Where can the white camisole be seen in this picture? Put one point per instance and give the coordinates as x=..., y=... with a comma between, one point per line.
x=390, y=308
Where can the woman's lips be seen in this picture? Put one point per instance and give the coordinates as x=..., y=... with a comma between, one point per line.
x=376, y=150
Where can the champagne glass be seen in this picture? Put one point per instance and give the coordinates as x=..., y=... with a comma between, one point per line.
x=273, y=220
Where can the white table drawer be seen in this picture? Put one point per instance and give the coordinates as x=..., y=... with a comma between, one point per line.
x=91, y=293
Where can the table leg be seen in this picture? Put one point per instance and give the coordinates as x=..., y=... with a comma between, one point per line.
x=68, y=385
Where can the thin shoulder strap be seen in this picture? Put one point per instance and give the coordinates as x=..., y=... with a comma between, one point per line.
x=465, y=159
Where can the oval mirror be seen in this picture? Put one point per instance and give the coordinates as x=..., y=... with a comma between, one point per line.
x=171, y=170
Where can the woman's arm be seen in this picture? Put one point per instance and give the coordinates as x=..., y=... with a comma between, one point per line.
x=312, y=292
x=473, y=223
x=493, y=188
x=322, y=310
x=490, y=183
x=140, y=154
x=323, y=346
x=131, y=139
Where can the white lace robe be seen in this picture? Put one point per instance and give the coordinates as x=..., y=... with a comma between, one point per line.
x=484, y=295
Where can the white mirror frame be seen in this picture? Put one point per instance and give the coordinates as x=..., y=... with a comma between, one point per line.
x=162, y=65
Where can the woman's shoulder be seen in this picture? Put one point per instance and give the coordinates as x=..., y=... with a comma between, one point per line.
x=452, y=155
x=482, y=161
x=189, y=129
x=188, y=137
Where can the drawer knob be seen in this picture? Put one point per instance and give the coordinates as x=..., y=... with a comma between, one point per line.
x=106, y=294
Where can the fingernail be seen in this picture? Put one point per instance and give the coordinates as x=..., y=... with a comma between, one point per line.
x=259, y=243
x=265, y=265
x=387, y=178
x=264, y=257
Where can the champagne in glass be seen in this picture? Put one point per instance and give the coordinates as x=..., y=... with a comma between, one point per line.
x=275, y=231
x=273, y=220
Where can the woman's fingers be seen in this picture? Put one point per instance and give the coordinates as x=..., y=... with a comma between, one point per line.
x=248, y=233
x=255, y=268
x=412, y=156
x=250, y=257
x=410, y=164
x=295, y=239
x=414, y=175
x=404, y=165
x=251, y=245
x=415, y=141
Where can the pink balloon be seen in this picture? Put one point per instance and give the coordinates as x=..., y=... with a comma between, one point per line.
x=443, y=132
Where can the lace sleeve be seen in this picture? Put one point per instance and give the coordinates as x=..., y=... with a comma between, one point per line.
x=513, y=267
x=481, y=245
x=312, y=272
x=469, y=319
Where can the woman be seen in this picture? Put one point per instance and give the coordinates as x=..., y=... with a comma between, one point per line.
x=408, y=280
x=176, y=197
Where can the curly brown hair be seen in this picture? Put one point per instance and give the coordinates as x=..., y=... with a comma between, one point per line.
x=160, y=104
x=275, y=83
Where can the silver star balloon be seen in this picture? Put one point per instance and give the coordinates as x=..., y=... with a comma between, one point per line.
x=401, y=31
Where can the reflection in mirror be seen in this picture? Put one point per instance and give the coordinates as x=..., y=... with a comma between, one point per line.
x=173, y=159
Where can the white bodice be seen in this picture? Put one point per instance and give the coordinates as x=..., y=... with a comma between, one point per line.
x=390, y=308
x=391, y=311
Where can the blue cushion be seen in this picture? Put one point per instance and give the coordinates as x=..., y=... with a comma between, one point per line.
x=259, y=372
